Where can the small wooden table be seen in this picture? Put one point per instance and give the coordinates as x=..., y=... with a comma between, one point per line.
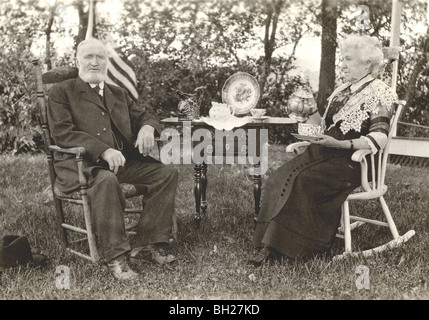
x=200, y=169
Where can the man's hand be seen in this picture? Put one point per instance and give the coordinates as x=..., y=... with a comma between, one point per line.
x=114, y=158
x=145, y=140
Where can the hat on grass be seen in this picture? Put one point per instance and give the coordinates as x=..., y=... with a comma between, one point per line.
x=16, y=251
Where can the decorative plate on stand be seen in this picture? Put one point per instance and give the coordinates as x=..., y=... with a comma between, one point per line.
x=242, y=92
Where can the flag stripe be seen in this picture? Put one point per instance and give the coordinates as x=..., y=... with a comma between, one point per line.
x=114, y=77
x=127, y=62
x=122, y=65
x=113, y=64
x=115, y=73
x=113, y=81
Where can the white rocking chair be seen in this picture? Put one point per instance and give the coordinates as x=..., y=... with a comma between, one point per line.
x=368, y=190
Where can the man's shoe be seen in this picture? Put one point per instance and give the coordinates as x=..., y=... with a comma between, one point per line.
x=161, y=257
x=121, y=270
x=152, y=253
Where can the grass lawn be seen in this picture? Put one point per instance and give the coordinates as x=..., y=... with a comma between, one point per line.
x=213, y=258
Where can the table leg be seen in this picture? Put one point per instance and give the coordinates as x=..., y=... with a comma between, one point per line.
x=203, y=188
x=257, y=189
x=197, y=194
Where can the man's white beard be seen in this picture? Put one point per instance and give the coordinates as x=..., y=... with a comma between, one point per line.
x=92, y=77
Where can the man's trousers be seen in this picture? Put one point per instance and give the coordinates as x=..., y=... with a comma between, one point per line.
x=156, y=181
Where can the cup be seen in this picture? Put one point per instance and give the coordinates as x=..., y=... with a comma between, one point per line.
x=221, y=111
x=308, y=129
x=257, y=113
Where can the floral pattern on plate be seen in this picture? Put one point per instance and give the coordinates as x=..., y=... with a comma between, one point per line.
x=241, y=91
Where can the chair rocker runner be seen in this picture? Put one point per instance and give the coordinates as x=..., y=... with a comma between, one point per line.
x=367, y=191
x=80, y=197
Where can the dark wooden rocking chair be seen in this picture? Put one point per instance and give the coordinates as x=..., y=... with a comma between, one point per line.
x=68, y=226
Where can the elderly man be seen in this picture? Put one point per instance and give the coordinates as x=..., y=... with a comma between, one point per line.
x=118, y=136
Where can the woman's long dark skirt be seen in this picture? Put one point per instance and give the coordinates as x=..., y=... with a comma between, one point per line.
x=301, y=204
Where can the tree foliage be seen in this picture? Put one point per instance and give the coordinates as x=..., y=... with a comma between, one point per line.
x=186, y=44
x=19, y=31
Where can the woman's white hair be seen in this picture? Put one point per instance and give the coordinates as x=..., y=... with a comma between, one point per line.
x=369, y=49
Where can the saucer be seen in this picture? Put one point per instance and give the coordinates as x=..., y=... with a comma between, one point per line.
x=304, y=137
x=228, y=124
x=259, y=118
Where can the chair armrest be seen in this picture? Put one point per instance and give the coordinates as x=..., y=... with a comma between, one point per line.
x=294, y=147
x=77, y=151
x=359, y=155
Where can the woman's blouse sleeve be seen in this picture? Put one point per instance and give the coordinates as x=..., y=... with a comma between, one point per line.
x=379, y=120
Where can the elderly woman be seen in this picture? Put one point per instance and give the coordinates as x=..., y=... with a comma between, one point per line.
x=301, y=204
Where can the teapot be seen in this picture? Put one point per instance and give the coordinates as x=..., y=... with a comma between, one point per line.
x=301, y=104
x=221, y=111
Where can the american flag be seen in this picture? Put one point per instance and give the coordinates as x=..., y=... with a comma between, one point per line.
x=120, y=71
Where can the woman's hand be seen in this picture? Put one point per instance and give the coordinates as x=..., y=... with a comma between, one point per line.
x=327, y=141
x=331, y=142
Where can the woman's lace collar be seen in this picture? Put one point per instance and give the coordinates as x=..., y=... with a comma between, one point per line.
x=359, y=106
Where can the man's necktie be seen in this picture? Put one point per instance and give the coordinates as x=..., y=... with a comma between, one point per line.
x=99, y=92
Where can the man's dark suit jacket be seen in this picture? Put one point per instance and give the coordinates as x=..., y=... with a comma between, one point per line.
x=77, y=117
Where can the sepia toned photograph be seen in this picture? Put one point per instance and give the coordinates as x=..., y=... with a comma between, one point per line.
x=219, y=156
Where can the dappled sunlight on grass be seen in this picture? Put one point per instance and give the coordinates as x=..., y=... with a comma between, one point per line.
x=213, y=258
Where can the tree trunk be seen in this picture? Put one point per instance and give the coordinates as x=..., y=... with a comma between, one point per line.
x=273, y=12
x=48, y=31
x=328, y=46
x=83, y=21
